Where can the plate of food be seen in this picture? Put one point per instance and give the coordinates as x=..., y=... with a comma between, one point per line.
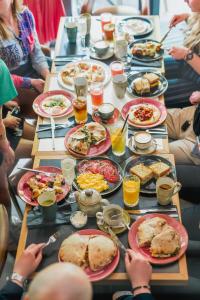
x=55, y=104
x=92, y=70
x=93, y=251
x=100, y=173
x=146, y=50
x=159, y=238
x=89, y=140
x=137, y=26
x=144, y=112
x=149, y=168
x=31, y=185
x=146, y=84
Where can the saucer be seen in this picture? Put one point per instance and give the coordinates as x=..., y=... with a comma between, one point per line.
x=120, y=229
x=111, y=120
x=108, y=54
x=133, y=148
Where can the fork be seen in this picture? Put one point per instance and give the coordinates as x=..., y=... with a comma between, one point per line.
x=59, y=126
x=52, y=239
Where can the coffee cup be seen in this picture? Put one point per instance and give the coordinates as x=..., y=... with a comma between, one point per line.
x=112, y=215
x=120, y=84
x=101, y=47
x=166, y=187
x=47, y=205
x=106, y=111
x=143, y=140
x=72, y=29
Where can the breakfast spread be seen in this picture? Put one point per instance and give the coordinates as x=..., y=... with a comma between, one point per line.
x=144, y=114
x=146, y=84
x=55, y=104
x=148, y=48
x=157, y=235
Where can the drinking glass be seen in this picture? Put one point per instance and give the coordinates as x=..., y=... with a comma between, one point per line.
x=47, y=205
x=131, y=190
x=68, y=170
x=106, y=18
x=120, y=46
x=80, y=110
x=96, y=92
x=117, y=67
x=118, y=138
x=82, y=28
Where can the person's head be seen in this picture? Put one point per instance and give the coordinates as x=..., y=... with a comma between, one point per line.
x=194, y=5
x=60, y=281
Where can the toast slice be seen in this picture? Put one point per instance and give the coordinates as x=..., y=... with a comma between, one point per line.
x=143, y=172
x=160, y=169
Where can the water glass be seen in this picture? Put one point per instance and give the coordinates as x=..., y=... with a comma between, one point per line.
x=47, y=205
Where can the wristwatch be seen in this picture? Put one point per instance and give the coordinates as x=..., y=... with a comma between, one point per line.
x=189, y=55
x=17, y=277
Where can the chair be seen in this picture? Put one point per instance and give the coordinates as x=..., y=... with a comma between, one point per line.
x=4, y=226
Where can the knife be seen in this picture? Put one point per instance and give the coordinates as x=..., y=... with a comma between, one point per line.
x=166, y=34
x=116, y=239
x=38, y=171
x=149, y=210
x=53, y=133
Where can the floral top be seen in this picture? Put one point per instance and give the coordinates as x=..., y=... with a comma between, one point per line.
x=23, y=49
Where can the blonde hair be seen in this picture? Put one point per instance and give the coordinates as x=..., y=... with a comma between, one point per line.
x=16, y=7
x=192, y=32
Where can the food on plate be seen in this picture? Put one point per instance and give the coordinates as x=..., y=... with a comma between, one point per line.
x=161, y=238
x=88, y=250
x=160, y=169
x=40, y=183
x=84, y=137
x=136, y=26
x=149, y=48
x=100, y=166
x=56, y=104
x=145, y=84
x=92, y=181
x=92, y=72
x=153, y=80
x=144, y=114
x=144, y=173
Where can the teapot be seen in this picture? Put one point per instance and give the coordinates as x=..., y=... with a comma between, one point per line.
x=90, y=201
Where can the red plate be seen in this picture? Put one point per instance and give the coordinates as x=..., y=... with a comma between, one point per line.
x=133, y=242
x=107, y=270
x=112, y=120
x=160, y=106
x=37, y=104
x=25, y=192
x=95, y=150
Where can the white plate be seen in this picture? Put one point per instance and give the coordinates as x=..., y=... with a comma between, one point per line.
x=91, y=61
x=108, y=54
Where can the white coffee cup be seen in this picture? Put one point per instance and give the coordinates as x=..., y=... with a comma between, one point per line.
x=143, y=140
x=166, y=187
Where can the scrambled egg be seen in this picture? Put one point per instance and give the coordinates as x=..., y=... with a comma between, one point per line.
x=92, y=181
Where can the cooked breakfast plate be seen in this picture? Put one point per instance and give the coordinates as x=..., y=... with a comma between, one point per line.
x=146, y=50
x=31, y=185
x=88, y=140
x=93, y=251
x=100, y=173
x=146, y=84
x=159, y=238
x=56, y=103
x=144, y=112
x=94, y=71
x=148, y=168
x=137, y=26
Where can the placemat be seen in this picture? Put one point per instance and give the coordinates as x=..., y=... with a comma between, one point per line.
x=152, y=64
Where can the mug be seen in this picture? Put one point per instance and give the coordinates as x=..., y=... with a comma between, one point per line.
x=166, y=187
x=143, y=140
x=111, y=215
x=47, y=205
x=120, y=84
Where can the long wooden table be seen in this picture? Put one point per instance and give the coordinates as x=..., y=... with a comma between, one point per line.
x=170, y=274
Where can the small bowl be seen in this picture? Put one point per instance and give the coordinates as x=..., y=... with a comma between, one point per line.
x=106, y=111
x=101, y=47
x=77, y=224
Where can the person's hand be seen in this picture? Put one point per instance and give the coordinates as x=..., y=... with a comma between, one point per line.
x=11, y=104
x=178, y=52
x=176, y=19
x=195, y=98
x=138, y=268
x=38, y=84
x=29, y=260
x=11, y=122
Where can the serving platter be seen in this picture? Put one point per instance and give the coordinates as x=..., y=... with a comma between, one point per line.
x=146, y=58
x=138, y=27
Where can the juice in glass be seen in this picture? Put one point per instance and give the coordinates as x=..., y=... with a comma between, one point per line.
x=109, y=30
x=118, y=138
x=117, y=68
x=131, y=190
x=96, y=92
x=80, y=110
x=105, y=19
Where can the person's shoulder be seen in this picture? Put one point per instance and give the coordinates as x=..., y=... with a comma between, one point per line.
x=27, y=15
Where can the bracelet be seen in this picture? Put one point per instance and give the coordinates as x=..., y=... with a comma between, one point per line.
x=141, y=287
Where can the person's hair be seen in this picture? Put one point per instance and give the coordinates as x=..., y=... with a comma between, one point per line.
x=192, y=32
x=16, y=7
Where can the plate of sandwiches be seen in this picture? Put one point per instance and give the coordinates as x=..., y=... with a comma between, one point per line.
x=146, y=50
x=159, y=238
x=137, y=26
x=147, y=84
x=100, y=173
x=149, y=168
x=92, y=70
x=88, y=140
x=93, y=251
x=54, y=104
x=144, y=112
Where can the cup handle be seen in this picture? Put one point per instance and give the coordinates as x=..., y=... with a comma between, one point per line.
x=104, y=202
x=177, y=188
x=99, y=216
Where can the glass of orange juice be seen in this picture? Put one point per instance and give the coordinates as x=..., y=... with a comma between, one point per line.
x=118, y=138
x=131, y=190
x=80, y=110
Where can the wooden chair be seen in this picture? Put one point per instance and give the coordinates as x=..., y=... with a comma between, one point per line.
x=4, y=226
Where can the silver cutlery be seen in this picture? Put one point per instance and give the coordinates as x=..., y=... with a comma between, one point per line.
x=150, y=210
x=116, y=239
x=52, y=239
x=152, y=129
x=136, y=217
x=53, y=133
x=152, y=132
x=38, y=171
x=60, y=126
x=166, y=34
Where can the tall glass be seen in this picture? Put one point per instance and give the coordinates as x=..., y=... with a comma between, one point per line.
x=96, y=92
x=117, y=67
x=68, y=169
x=131, y=190
x=82, y=28
x=118, y=138
x=80, y=110
x=106, y=18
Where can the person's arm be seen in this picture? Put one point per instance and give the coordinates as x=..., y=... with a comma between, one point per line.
x=21, y=82
x=176, y=19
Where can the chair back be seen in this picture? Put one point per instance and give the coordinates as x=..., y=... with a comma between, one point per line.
x=4, y=227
